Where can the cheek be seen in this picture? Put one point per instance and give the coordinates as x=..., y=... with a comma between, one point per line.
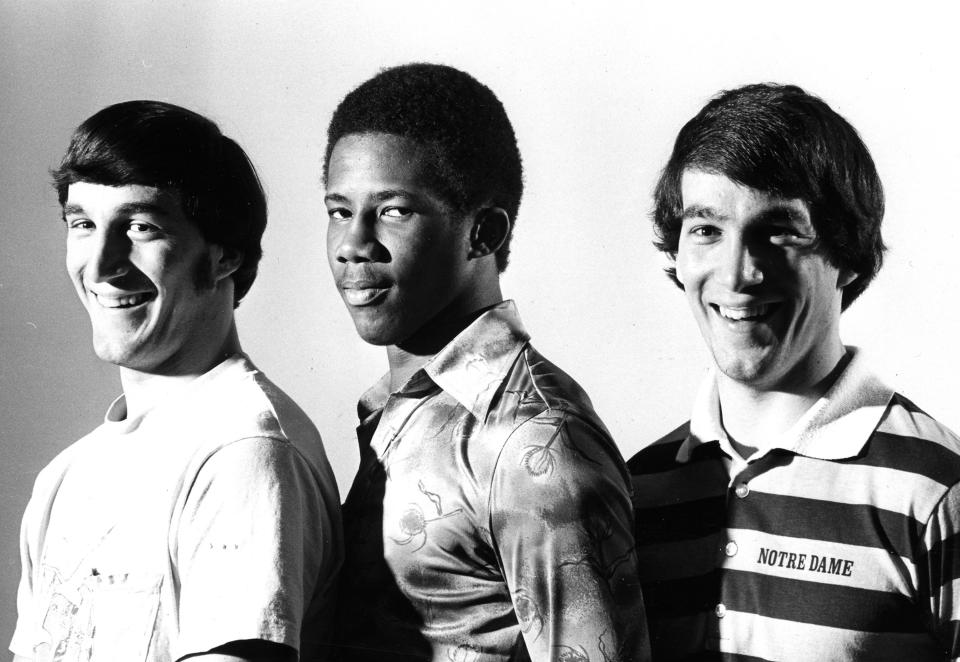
x=73, y=261
x=681, y=269
x=333, y=240
x=172, y=271
x=820, y=279
x=429, y=258
x=689, y=268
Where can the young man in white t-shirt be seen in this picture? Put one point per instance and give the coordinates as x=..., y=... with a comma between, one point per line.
x=201, y=519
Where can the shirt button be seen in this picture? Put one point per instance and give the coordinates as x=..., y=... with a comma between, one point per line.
x=730, y=549
x=742, y=490
x=720, y=610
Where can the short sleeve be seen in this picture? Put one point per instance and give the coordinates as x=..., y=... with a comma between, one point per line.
x=250, y=545
x=939, y=571
x=561, y=521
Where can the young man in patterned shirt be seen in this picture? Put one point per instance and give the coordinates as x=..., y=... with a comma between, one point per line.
x=806, y=511
x=490, y=518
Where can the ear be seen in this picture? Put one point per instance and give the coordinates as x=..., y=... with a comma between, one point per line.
x=491, y=225
x=225, y=261
x=845, y=277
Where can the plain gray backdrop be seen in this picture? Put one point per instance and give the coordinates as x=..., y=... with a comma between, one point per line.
x=596, y=91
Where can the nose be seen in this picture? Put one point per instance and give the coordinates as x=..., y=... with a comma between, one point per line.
x=741, y=266
x=356, y=241
x=108, y=257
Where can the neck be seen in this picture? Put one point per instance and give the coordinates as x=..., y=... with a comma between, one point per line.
x=756, y=418
x=406, y=358
x=142, y=389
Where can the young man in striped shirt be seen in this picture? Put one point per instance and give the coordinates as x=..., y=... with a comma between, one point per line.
x=806, y=511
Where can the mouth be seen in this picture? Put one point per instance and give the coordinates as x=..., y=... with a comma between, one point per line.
x=363, y=295
x=743, y=314
x=123, y=301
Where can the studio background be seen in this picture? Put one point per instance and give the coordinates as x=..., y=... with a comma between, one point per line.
x=596, y=92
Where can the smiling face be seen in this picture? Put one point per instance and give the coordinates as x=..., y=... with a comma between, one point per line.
x=145, y=275
x=765, y=297
x=399, y=253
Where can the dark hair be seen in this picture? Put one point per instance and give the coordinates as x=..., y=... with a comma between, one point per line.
x=158, y=144
x=457, y=119
x=781, y=140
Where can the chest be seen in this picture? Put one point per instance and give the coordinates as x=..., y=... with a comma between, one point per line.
x=419, y=501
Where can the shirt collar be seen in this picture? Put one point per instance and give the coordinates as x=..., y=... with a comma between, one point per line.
x=470, y=367
x=837, y=426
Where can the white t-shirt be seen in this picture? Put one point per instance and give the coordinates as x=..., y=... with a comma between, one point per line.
x=212, y=518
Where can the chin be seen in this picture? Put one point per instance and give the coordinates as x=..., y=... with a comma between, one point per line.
x=751, y=370
x=125, y=355
x=376, y=336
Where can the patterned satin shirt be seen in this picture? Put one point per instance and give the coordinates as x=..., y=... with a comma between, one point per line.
x=490, y=518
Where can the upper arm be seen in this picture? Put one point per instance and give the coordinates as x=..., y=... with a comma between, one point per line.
x=253, y=545
x=940, y=565
x=562, y=523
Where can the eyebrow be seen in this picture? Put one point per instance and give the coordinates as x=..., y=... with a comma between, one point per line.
x=379, y=196
x=701, y=211
x=782, y=212
x=126, y=209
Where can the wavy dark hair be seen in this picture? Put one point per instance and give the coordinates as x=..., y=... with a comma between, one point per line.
x=474, y=158
x=152, y=143
x=782, y=140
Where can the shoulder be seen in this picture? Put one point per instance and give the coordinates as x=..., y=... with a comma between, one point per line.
x=547, y=407
x=246, y=405
x=51, y=475
x=287, y=420
x=542, y=434
x=661, y=454
x=909, y=439
x=905, y=418
x=545, y=386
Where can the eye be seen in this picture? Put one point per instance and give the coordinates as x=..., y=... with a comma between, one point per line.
x=141, y=228
x=396, y=212
x=788, y=236
x=338, y=214
x=79, y=223
x=704, y=233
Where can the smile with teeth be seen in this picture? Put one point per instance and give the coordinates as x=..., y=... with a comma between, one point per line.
x=744, y=313
x=362, y=296
x=123, y=301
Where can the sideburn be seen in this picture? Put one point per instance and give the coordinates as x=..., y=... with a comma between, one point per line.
x=203, y=278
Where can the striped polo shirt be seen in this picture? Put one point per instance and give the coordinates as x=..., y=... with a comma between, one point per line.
x=840, y=542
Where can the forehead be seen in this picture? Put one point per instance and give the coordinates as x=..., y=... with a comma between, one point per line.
x=106, y=200
x=377, y=160
x=707, y=194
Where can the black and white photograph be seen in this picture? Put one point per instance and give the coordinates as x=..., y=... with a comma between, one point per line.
x=479, y=331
